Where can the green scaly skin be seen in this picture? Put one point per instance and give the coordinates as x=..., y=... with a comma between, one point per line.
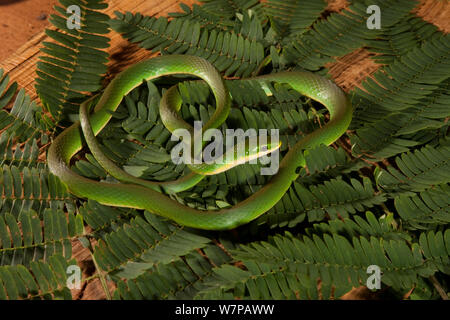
x=69, y=142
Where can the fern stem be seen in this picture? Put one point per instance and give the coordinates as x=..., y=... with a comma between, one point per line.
x=264, y=63
x=102, y=278
x=94, y=276
x=438, y=287
x=100, y=273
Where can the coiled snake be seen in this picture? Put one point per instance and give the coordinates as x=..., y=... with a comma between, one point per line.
x=141, y=194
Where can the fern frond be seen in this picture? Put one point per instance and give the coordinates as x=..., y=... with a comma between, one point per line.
x=103, y=218
x=248, y=94
x=384, y=136
x=39, y=281
x=341, y=33
x=7, y=91
x=228, y=8
x=74, y=63
x=382, y=228
x=334, y=198
x=12, y=154
x=25, y=120
x=399, y=39
x=417, y=171
x=180, y=279
x=289, y=267
x=290, y=19
x=228, y=52
x=141, y=244
x=244, y=23
x=425, y=210
x=28, y=241
x=207, y=20
x=250, y=26
x=324, y=162
x=436, y=250
x=424, y=290
x=381, y=139
x=411, y=78
x=426, y=113
x=31, y=189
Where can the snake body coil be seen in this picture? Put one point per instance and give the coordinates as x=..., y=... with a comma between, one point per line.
x=139, y=195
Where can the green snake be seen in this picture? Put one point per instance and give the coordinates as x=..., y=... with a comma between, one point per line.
x=147, y=195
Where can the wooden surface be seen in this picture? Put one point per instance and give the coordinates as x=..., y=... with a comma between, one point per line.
x=20, y=20
x=348, y=71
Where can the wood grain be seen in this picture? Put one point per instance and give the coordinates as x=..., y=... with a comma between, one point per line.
x=20, y=20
